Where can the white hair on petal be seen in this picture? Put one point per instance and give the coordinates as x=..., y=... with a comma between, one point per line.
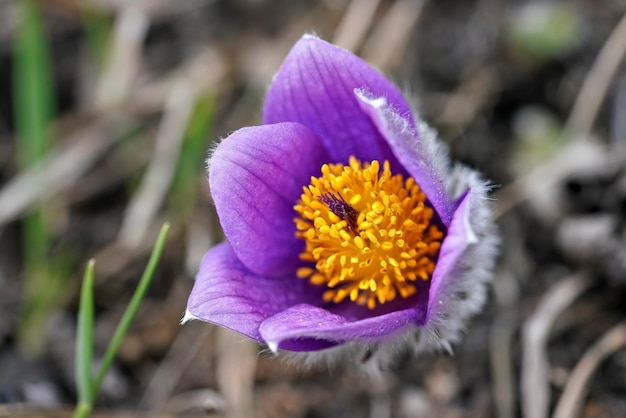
x=370, y=357
x=466, y=292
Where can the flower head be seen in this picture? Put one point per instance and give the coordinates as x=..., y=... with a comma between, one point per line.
x=346, y=227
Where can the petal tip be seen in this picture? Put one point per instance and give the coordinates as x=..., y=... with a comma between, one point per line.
x=309, y=36
x=366, y=97
x=273, y=346
x=309, y=40
x=188, y=317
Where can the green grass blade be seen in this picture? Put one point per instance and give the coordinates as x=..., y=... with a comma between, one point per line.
x=84, y=341
x=32, y=77
x=131, y=310
x=84, y=347
x=192, y=156
x=33, y=102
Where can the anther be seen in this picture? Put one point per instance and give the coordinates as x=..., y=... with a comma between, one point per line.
x=342, y=209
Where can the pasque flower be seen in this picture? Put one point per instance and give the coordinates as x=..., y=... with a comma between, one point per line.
x=347, y=229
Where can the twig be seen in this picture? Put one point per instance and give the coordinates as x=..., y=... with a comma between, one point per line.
x=355, y=23
x=145, y=204
x=535, y=389
x=476, y=88
x=574, y=392
x=115, y=257
x=597, y=83
x=235, y=372
x=65, y=166
x=618, y=125
x=385, y=48
x=578, y=125
x=208, y=401
x=206, y=69
x=502, y=333
x=130, y=30
x=180, y=355
x=59, y=170
x=575, y=156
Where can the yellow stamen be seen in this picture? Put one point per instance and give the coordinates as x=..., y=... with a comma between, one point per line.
x=369, y=233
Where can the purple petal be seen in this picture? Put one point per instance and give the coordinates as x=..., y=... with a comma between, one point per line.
x=302, y=327
x=256, y=177
x=459, y=237
x=418, y=302
x=315, y=86
x=227, y=294
x=424, y=162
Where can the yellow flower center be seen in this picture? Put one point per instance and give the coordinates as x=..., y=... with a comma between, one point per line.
x=369, y=234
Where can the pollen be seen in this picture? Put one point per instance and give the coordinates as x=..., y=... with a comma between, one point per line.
x=370, y=236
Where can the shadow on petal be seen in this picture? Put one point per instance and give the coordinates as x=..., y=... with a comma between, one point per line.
x=256, y=176
x=305, y=327
x=226, y=293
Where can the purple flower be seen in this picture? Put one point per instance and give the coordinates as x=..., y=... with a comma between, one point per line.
x=346, y=227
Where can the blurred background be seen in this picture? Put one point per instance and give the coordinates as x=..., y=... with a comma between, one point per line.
x=108, y=108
